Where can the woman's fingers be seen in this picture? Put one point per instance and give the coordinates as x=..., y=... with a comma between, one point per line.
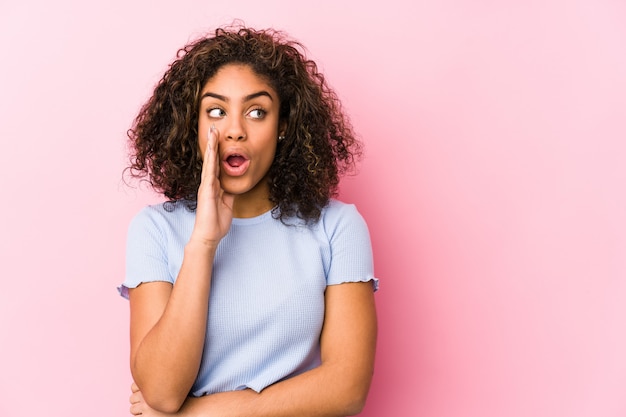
x=214, y=146
x=135, y=397
x=209, y=163
x=136, y=400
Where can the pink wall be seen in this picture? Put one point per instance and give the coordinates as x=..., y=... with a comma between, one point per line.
x=493, y=186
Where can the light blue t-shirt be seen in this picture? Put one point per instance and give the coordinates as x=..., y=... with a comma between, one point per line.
x=266, y=305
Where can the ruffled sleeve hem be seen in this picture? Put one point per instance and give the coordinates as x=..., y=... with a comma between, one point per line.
x=124, y=288
x=123, y=291
x=374, y=282
x=371, y=279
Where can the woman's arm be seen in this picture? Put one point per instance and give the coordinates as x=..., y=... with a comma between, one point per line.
x=168, y=323
x=338, y=387
x=167, y=332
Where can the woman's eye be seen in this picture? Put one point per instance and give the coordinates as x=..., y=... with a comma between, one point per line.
x=257, y=113
x=216, y=112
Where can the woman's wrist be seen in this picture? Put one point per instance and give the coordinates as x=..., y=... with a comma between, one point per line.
x=201, y=245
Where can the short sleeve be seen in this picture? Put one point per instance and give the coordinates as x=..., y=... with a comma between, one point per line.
x=350, y=245
x=146, y=251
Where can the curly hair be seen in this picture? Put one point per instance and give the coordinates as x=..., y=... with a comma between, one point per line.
x=319, y=146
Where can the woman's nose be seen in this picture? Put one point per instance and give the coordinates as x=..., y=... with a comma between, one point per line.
x=235, y=130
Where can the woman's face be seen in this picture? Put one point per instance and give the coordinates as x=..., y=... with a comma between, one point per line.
x=244, y=109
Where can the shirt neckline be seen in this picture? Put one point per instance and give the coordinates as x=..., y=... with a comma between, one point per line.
x=245, y=221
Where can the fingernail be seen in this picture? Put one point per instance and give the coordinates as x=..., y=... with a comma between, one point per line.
x=211, y=130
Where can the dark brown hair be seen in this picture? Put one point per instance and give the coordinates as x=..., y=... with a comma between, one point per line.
x=319, y=143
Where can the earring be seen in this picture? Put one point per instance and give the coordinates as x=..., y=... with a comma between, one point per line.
x=281, y=137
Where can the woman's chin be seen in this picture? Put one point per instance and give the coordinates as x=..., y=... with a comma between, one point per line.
x=236, y=186
x=242, y=187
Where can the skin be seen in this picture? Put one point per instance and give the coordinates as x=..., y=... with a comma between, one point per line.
x=168, y=322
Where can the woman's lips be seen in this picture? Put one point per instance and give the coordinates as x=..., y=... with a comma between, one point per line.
x=235, y=165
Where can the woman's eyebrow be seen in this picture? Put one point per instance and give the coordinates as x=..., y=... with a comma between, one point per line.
x=246, y=98
x=259, y=94
x=214, y=95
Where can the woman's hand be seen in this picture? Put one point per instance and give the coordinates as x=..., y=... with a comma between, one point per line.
x=222, y=404
x=214, y=212
x=139, y=407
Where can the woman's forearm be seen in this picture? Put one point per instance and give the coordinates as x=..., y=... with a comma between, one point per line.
x=169, y=328
x=321, y=392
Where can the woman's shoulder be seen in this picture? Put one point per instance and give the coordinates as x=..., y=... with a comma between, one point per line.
x=165, y=213
x=338, y=208
x=341, y=214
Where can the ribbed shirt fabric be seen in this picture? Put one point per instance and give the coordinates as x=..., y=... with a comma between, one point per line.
x=266, y=305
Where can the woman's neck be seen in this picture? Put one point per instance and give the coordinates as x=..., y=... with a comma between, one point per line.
x=246, y=208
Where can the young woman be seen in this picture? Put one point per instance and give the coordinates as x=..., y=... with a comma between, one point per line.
x=251, y=287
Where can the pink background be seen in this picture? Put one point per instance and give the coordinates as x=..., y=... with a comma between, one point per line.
x=494, y=187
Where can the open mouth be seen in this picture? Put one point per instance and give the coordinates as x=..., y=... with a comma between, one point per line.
x=235, y=164
x=235, y=160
